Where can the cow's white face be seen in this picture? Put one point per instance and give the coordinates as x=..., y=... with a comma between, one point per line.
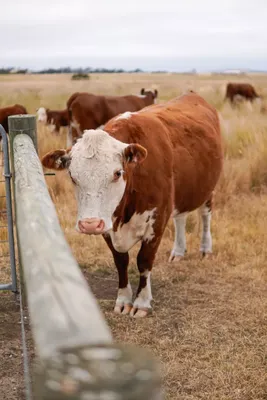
x=42, y=115
x=97, y=171
x=99, y=166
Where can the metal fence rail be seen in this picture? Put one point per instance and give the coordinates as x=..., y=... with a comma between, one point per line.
x=77, y=356
x=7, y=248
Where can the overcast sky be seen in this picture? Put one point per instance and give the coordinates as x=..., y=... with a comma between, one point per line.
x=149, y=34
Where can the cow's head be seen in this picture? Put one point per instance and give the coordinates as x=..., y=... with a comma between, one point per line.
x=41, y=115
x=99, y=167
x=149, y=94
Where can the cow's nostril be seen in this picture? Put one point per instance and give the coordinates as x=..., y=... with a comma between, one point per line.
x=91, y=225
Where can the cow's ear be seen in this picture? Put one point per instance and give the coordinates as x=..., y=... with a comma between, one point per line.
x=57, y=159
x=155, y=93
x=134, y=153
x=142, y=91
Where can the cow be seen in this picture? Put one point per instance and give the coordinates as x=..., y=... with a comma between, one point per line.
x=89, y=111
x=132, y=176
x=53, y=118
x=5, y=112
x=245, y=90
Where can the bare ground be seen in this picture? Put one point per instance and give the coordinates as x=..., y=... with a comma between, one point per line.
x=209, y=323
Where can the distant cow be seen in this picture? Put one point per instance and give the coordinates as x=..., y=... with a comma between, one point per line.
x=11, y=110
x=53, y=118
x=89, y=111
x=132, y=176
x=245, y=90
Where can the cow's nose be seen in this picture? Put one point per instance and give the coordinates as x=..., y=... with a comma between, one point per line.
x=91, y=226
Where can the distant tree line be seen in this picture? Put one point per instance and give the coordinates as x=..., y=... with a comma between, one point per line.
x=12, y=70
x=68, y=70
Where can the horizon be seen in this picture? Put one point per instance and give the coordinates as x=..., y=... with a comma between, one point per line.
x=149, y=64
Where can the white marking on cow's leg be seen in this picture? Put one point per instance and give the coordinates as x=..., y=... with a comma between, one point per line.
x=206, y=239
x=124, y=300
x=143, y=300
x=52, y=128
x=69, y=137
x=179, y=246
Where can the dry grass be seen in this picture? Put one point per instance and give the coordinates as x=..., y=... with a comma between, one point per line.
x=209, y=326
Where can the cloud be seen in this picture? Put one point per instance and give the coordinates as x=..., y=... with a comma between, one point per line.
x=41, y=33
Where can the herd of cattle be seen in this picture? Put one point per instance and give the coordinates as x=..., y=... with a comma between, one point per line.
x=149, y=162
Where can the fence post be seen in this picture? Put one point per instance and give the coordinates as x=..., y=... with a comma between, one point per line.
x=26, y=124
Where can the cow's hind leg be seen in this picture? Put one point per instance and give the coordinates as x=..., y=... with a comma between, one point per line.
x=206, y=239
x=179, y=246
x=123, y=303
x=145, y=259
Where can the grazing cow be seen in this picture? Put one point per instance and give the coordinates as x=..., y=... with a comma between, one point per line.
x=54, y=118
x=245, y=90
x=130, y=177
x=89, y=111
x=11, y=110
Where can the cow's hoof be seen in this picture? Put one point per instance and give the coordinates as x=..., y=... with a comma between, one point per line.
x=122, y=308
x=140, y=312
x=175, y=258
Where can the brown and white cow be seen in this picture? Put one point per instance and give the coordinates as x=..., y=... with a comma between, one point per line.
x=53, y=118
x=132, y=176
x=90, y=111
x=244, y=90
x=10, y=110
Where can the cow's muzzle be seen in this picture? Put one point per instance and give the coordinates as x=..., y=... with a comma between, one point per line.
x=91, y=226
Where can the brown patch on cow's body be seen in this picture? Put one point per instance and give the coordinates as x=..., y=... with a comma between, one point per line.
x=58, y=118
x=245, y=90
x=11, y=110
x=89, y=111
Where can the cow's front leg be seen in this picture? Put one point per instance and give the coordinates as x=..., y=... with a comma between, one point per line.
x=206, y=239
x=123, y=303
x=145, y=259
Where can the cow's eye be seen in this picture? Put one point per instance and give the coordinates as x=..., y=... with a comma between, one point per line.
x=117, y=175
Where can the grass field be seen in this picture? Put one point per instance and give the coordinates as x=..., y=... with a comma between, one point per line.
x=209, y=325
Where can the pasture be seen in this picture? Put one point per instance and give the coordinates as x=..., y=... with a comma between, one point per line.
x=209, y=322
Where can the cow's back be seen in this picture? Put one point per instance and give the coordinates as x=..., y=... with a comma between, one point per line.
x=120, y=104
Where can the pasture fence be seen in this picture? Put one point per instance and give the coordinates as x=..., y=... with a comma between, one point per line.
x=76, y=355
x=7, y=246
